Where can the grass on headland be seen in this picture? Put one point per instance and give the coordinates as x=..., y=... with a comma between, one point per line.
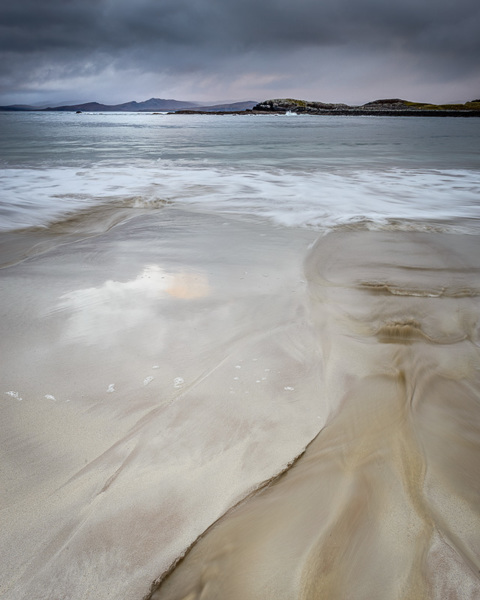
x=473, y=105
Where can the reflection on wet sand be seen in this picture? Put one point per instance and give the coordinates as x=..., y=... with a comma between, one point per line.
x=384, y=502
x=152, y=377
x=98, y=314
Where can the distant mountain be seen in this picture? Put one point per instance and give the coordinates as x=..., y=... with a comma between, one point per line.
x=148, y=105
x=152, y=105
x=233, y=107
x=18, y=107
x=37, y=106
x=155, y=104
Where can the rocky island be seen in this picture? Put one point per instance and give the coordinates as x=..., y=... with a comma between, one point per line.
x=386, y=107
x=391, y=107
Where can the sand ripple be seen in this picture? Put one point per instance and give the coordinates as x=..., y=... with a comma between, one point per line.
x=384, y=502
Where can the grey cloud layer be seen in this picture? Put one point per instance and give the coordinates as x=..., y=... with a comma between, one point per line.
x=28, y=25
x=62, y=36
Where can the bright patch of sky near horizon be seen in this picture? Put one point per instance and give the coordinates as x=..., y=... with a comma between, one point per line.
x=344, y=51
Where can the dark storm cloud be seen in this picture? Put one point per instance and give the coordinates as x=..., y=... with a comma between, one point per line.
x=28, y=25
x=102, y=25
x=66, y=38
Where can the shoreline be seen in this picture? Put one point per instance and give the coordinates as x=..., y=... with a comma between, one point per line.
x=325, y=113
x=341, y=113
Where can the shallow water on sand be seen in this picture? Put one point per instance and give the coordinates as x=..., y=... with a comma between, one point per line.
x=176, y=366
x=384, y=501
x=150, y=379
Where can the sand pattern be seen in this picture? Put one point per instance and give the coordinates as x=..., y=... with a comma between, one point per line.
x=383, y=504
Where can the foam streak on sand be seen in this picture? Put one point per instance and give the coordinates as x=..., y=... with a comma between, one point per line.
x=384, y=502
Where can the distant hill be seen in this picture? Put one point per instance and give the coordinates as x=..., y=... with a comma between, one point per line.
x=18, y=107
x=152, y=105
x=233, y=107
x=148, y=105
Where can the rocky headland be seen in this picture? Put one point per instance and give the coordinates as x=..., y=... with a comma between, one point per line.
x=385, y=107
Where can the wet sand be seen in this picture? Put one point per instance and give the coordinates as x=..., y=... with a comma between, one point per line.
x=160, y=377
x=384, y=502
x=147, y=386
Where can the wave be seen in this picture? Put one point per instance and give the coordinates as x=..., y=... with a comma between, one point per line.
x=374, y=199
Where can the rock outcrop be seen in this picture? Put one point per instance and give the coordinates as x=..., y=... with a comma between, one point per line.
x=383, y=107
x=298, y=106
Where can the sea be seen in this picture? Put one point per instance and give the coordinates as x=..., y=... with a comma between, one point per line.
x=296, y=171
x=240, y=357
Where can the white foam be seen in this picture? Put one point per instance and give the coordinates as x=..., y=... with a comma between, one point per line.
x=15, y=395
x=178, y=382
x=111, y=388
x=147, y=380
x=290, y=197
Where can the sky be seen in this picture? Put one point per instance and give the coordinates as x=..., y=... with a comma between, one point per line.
x=352, y=51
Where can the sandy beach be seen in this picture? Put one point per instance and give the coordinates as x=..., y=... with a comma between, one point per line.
x=153, y=376
x=160, y=377
x=240, y=357
x=384, y=502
